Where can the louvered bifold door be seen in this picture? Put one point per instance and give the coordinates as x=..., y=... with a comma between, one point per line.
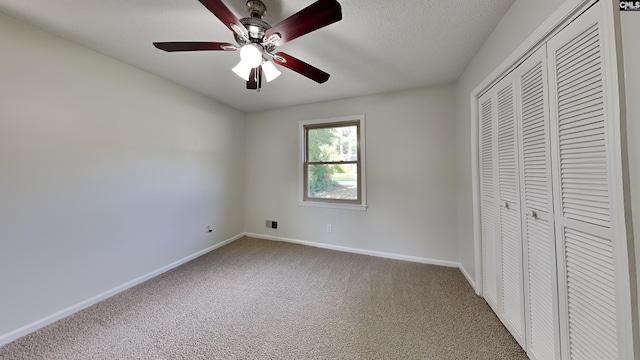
x=541, y=296
x=511, y=308
x=489, y=217
x=593, y=273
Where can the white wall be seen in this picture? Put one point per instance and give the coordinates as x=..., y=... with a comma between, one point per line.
x=410, y=150
x=522, y=19
x=631, y=51
x=106, y=173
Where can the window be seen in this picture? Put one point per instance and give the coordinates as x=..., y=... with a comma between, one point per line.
x=332, y=163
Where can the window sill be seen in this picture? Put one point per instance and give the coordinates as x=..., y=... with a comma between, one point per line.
x=333, y=205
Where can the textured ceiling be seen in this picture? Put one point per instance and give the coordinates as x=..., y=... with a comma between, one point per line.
x=379, y=46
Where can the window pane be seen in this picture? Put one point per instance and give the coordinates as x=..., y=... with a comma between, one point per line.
x=333, y=144
x=333, y=181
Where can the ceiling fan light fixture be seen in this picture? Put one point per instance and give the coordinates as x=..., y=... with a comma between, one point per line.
x=270, y=71
x=251, y=55
x=243, y=70
x=257, y=40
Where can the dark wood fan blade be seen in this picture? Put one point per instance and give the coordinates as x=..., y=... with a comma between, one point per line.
x=222, y=12
x=194, y=46
x=301, y=67
x=255, y=78
x=315, y=16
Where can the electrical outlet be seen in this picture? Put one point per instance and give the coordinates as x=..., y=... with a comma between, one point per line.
x=329, y=228
x=272, y=224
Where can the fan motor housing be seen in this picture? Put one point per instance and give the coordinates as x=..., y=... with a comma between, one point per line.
x=256, y=9
x=256, y=29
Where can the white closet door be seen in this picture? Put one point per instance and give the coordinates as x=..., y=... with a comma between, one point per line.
x=489, y=220
x=511, y=308
x=541, y=298
x=594, y=298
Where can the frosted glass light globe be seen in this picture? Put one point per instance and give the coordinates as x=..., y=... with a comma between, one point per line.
x=242, y=70
x=251, y=55
x=270, y=71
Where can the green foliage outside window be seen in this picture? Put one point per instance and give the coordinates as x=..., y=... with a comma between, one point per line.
x=320, y=150
x=332, y=144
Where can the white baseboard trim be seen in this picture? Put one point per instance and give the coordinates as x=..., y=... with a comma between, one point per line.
x=20, y=332
x=358, y=251
x=469, y=278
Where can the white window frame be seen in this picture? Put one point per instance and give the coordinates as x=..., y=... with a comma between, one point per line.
x=361, y=145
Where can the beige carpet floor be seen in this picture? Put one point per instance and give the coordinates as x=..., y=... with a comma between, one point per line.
x=257, y=299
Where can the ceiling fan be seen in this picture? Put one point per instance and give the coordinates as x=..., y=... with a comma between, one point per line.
x=258, y=40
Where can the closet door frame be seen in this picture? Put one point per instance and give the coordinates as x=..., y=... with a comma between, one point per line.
x=619, y=184
x=568, y=11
